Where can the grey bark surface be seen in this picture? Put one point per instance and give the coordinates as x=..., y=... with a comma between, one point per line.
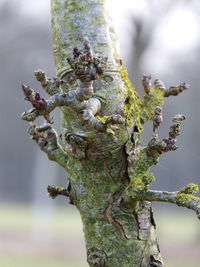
x=109, y=169
x=115, y=236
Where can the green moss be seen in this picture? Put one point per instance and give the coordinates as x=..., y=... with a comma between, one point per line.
x=72, y=6
x=110, y=131
x=141, y=111
x=149, y=103
x=185, y=194
x=59, y=189
x=190, y=189
x=94, y=184
x=182, y=198
x=142, y=181
x=104, y=120
x=132, y=99
x=141, y=177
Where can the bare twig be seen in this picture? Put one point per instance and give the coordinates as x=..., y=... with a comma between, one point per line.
x=47, y=139
x=183, y=198
x=173, y=90
x=55, y=191
x=50, y=85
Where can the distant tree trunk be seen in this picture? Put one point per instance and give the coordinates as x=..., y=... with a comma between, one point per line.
x=115, y=236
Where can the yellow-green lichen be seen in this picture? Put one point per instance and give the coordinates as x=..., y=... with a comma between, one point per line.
x=190, y=189
x=104, y=120
x=110, y=131
x=141, y=177
x=149, y=103
x=132, y=99
x=142, y=181
x=182, y=198
x=59, y=189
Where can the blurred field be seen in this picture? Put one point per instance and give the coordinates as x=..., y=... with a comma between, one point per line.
x=56, y=240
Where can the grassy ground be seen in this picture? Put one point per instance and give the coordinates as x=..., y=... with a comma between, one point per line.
x=35, y=262
x=56, y=239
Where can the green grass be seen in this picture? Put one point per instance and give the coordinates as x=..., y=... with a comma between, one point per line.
x=21, y=217
x=174, y=229
x=35, y=262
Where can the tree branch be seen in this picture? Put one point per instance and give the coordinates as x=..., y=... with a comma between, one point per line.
x=155, y=96
x=55, y=191
x=50, y=85
x=173, y=90
x=47, y=139
x=87, y=67
x=183, y=198
x=43, y=107
x=156, y=146
x=141, y=159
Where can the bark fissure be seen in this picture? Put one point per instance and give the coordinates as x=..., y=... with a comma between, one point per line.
x=109, y=217
x=102, y=119
x=108, y=171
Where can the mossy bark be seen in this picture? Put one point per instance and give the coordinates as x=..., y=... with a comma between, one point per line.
x=116, y=234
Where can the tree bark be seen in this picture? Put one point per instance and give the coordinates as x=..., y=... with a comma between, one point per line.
x=116, y=234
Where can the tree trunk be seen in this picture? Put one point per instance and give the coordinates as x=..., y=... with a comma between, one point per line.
x=116, y=234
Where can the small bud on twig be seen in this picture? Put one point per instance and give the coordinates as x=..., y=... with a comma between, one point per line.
x=160, y=84
x=176, y=126
x=157, y=118
x=175, y=90
x=86, y=65
x=146, y=82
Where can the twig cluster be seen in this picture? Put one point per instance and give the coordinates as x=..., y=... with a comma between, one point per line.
x=142, y=158
x=86, y=67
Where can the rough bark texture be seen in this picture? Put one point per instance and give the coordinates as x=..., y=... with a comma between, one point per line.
x=114, y=235
x=102, y=119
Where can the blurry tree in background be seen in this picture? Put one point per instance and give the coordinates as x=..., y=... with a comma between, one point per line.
x=25, y=44
x=152, y=54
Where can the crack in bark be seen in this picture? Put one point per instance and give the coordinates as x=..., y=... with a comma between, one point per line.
x=152, y=218
x=88, y=150
x=109, y=217
x=108, y=172
x=123, y=169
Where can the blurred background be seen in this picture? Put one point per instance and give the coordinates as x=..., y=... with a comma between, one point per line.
x=160, y=38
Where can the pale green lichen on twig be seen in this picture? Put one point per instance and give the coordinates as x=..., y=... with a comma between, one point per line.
x=183, y=197
x=139, y=171
x=141, y=159
x=150, y=101
x=155, y=96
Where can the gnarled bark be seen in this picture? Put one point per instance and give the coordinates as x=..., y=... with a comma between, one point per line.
x=115, y=235
x=102, y=118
